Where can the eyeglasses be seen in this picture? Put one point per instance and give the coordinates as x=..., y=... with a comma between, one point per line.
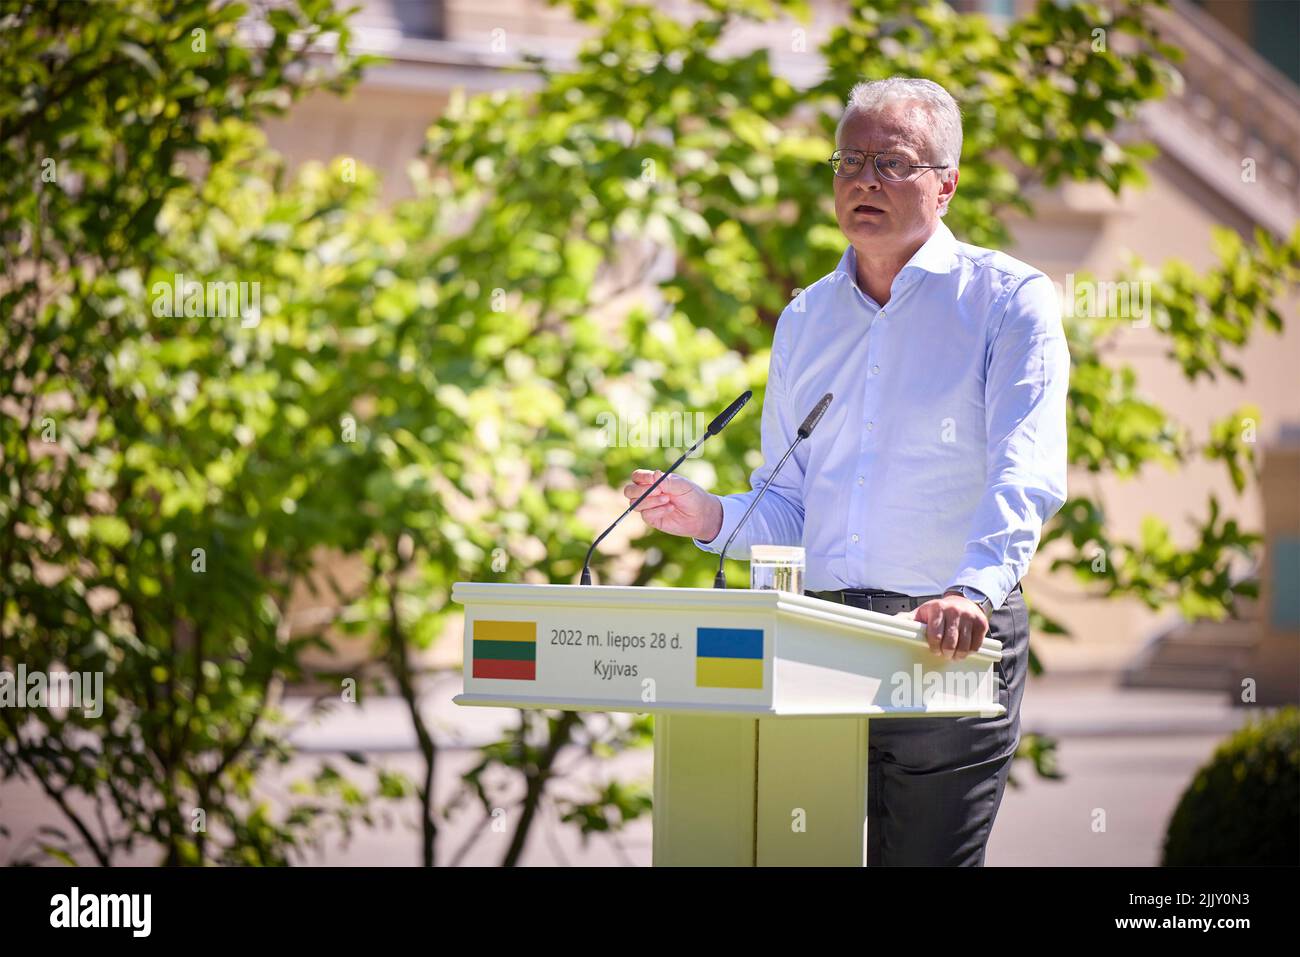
x=894, y=167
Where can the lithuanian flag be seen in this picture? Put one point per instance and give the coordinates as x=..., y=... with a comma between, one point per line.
x=729, y=658
x=505, y=649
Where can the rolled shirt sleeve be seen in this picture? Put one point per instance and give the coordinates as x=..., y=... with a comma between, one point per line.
x=1025, y=394
x=779, y=517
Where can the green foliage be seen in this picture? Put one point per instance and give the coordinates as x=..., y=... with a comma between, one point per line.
x=1040, y=751
x=1242, y=809
x=151, y=463
x=530, y=751
x=1206, y=314
x=1199, y=579
x=1203, y=317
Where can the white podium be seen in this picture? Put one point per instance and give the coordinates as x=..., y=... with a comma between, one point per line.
x=761, y=699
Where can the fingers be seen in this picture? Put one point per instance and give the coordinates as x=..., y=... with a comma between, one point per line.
x=964, y=632
x=642, y=479
x=933, y=626
x=951, y=632
x=654, y=500
x=979, y=631
x=654, y=517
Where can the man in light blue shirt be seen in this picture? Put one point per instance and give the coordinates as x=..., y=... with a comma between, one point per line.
x=925, y=487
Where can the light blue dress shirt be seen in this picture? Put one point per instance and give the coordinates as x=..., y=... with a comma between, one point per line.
x=944, y=450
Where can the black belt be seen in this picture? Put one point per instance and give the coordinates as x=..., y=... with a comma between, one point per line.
x=874, y=599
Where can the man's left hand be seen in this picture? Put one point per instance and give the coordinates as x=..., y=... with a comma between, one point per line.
x=955, y=626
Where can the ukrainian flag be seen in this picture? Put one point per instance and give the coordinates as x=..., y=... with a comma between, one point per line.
x=729, y=658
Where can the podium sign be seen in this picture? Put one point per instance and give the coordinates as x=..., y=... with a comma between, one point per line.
x=761, y=698
x=704, y=650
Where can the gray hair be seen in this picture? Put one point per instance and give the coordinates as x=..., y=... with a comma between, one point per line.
x=945, y=117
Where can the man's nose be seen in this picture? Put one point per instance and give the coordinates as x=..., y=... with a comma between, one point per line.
x=868, y=177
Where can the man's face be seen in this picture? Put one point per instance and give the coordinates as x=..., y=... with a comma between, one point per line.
x=879, y=215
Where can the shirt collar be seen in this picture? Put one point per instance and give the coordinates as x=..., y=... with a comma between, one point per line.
x=935, y=255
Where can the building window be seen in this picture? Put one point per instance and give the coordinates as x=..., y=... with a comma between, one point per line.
x=1284, y=615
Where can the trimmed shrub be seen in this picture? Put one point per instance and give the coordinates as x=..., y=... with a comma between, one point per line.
x=1243, y=807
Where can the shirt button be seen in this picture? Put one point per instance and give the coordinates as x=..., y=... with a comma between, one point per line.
x=875, y=370
x=855, y=538
x=870, y=426
x=860, y=479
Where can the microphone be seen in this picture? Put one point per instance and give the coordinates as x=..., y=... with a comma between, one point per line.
x=716, y=426
x=805, y=430
x=726, y=415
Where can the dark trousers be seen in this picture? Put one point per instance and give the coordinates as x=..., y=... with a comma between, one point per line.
x=935, y=784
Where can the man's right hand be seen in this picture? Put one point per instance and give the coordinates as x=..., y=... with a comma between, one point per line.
x=678, y=506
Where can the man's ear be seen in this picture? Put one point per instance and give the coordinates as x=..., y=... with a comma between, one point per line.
x=946, y=189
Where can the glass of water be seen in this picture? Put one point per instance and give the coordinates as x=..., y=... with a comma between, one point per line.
x=776, y=567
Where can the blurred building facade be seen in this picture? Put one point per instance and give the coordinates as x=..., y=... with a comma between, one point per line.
x=1241, y=102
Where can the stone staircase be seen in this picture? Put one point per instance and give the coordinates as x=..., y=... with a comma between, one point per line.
x=1194, y=656
x=1236, y=123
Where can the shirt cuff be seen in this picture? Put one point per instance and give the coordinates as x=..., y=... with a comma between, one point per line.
x=993, y=580
x=731, y=512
